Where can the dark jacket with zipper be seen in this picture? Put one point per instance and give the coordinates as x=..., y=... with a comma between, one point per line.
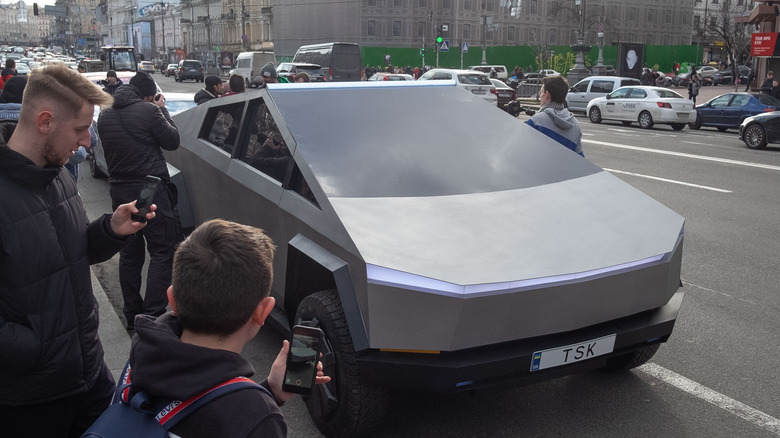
x=49, y=345
x=133, y=134
x=165, y=367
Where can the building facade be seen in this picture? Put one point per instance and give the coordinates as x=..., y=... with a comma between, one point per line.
x=20, y=26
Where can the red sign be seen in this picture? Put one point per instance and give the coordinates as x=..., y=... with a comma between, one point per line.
x=764, y=44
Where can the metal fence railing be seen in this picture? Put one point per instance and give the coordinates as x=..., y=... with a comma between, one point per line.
x=528, y=90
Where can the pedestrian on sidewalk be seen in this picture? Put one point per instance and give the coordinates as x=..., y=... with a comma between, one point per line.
x=693, y=88
x=554, y=119
x=54, y=380
x=134, y=132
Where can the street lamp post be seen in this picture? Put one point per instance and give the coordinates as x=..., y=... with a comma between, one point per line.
x=579, y=72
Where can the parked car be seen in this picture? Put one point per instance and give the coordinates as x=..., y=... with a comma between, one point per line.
x=390, y=77
x=476, y=82
x=96, y=157
x=500, y=70
x=730, y=109
x=683, y=79
x=724, y=77
x=584, y=91
x=146, y=66
x=504, y=92
x=759, y=130
x=548, y=72
x=290, y=69
x=170, y=70
x=706, y=71
x=190, y=69
x=643, y=104
x=371, y=227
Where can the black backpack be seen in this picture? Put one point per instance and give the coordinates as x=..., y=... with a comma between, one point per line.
x=137, y=414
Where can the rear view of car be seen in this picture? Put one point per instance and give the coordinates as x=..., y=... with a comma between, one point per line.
x=475, y=82
x=190, y=69
x=339, y=61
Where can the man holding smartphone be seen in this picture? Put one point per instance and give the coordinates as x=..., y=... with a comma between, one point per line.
x=220, y=297
x=134, y=132
x=53, y=377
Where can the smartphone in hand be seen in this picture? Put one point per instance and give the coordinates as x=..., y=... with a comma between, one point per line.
x=302, y=360
x=146, y=198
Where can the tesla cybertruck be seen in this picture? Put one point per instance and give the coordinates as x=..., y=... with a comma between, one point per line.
x=440, y=244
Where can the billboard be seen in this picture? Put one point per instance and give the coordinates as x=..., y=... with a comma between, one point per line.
x=630, y=59
x=764, y=44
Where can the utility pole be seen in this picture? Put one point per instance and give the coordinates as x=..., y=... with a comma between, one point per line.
x=165, y=50
x=244, y=37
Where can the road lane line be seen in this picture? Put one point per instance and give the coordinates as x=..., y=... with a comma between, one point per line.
x=682, y=154
x=657, y=178
x=713, y=397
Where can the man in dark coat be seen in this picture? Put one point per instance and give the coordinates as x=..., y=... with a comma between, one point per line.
x=111, y=83
x=53, y=380
x=134, y=133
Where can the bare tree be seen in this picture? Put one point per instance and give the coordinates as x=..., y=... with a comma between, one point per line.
x=719, y=27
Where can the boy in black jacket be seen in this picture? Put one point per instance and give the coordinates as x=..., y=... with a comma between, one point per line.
x=222, y=278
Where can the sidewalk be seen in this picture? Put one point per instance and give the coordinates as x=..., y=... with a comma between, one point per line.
x=116, y=341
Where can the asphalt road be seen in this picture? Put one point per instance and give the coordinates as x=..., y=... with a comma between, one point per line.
x=718, y=374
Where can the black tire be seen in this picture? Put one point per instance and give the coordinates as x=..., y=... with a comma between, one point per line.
x=645, y=120
x=347, y=406
x=678, y=126
x=631, y=360
x=696, y=124
x=594, y=114
x=627, y=122
x=722, y=128
x=755, y=136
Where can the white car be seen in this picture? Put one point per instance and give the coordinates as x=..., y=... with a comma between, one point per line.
x=146, y=66
x=548, y=72
x=476, y=82
x=646, y=105
x=706, y=71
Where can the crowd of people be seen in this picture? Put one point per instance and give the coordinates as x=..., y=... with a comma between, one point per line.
x=54, y=380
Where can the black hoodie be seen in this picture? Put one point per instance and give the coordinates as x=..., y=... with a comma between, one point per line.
x=165, y=367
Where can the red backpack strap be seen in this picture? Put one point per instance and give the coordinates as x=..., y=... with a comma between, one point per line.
x=178, y=410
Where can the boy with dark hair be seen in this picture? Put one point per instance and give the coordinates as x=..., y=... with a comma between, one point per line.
x=220, y=298
x=554, y=119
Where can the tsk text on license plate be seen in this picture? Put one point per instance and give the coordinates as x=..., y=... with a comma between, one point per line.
x=572, y=353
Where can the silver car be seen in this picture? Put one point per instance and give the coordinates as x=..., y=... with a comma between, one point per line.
x=447, y=252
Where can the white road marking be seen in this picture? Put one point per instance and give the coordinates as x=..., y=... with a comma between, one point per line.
x=696, y=143
x=713, y=397
x=698, y=186
x=682, y=154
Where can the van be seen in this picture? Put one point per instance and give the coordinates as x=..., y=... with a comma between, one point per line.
x=592, y=87
x=339, y=61
x=501, y=72
x=249, y=64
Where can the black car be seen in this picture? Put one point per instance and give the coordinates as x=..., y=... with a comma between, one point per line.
x=761, y=129
x=190, y=69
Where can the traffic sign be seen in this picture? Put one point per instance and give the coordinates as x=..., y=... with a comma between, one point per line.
x=445, y=46
x=464, y=47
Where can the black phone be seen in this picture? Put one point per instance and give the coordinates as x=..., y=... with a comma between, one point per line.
x=302, y=360
x=146, y=198
x=157, y=97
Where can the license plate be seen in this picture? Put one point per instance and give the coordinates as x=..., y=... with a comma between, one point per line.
x=505, y=94
x=682, y=115
x=478, y=91
x=572, y=353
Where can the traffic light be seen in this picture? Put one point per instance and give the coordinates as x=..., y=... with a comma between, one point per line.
x=439, y=31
